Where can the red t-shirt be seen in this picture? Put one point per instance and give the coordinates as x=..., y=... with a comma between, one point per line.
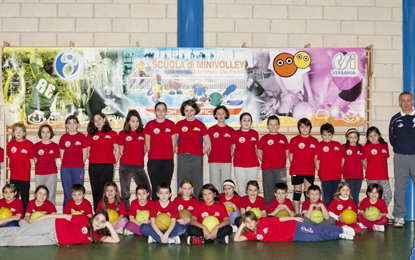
x=102, y=147
x=337, y=206
x=220, y=138
x=329, y=155
x=235, y=199
x=274, y=204
x=377, y=161
x=73, y=232
x=45, y=155
x=16, y=206
x=246, y=204
x=47, y=207
x=306, y=205
x=303, y=150
x=73, y=146
x=85, y=207
x=161, y=145
x=380, y=205
x=217, y=210
x=274, y=149
x=186, y=204
x=272, y=229
x=135, y=207
x=245, y=153
x=171, y=209
x=1, y=155
x=20, y=154
x=352, y=166
x=133, y=152
x=120, y=209
x=190, y=136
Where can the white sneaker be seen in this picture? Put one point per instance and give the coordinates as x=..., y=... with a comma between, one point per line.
x=347, y=237
x=348, y=231
x=379, y=228
x=151, y=240
x=399, y=222
x=234, y=228
x=127, y=232
x=361, y=225
x=120, y=231
x=174, y=240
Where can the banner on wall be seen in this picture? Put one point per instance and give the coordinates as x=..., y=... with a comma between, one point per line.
x=45, y=85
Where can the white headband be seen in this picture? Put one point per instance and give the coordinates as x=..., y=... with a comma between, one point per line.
x=229, y=183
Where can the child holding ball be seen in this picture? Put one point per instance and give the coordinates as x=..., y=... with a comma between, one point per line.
x=373, y=199
x=252, y=200
x=112, y=200
x=40, y=203
x=14, y=204
x=231, y=200
x=141, y=203
x=185, y=200
x=281, y=202
x=78, y=202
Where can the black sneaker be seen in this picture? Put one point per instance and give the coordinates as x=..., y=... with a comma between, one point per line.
x=222, y=240
x=191, y=240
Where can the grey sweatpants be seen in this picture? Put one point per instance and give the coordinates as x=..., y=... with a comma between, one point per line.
x=404, y=165
x=243, y=175
x=191, y=167
x=269, y=179
x=219, y=172
x=41, y=233
x=50, y=181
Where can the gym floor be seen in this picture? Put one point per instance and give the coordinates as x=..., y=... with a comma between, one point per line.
x=394, y=243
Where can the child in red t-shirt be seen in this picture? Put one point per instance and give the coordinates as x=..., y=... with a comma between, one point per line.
x=231, y=200
x=273, y=152
x=13, y=204
x=220, y=155
x=352, y=163
x=328, y=162
x=78, y=203
x=163, y=205
x=141, y=203
x=112, y=200
x=252, y=200
x=40, y=203
x=314, y=202
x=287, y=229
x=73, y=148
x=280, y=202
x=62, y=229
x=131, y=143
x=244, y=150
x=185, y=200
x=103, y=153
x=45, y=154
x=375, y=159
x=373, y=199
x=209, y=205
x=302, y=159
x=20, y=153
x=342, y=201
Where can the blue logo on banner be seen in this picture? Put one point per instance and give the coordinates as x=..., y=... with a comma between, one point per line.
x=68, y=65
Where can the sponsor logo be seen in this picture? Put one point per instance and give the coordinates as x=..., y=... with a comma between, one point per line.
x=301, y=145
x=77, y=143
x=95, y=137
x=345, y=65
x=156, y=131
x=374, y=151
x=14, y=149
x=184, y=129
x=180, y=207
x=216, y=135
x=270, y=142
x=167, y=130
x=307, y=230
x=265, y=230
x=67, y=143
x=326, y=149
x=205, y=214
x=227, y=135
x=84, y=230
x=217, y=214
x=196, y=129
x=340, y=207
x=384, y=151
x=312, y=146
x=51, y=152
x=336, y=148
x=68, y=65
x=129, y=138
x=108, y=137
x=242, y=140
x=259, y=237
x=281, y=142
x=253, y=139
x=140, y=138
x=349, y=152
x=24, y=151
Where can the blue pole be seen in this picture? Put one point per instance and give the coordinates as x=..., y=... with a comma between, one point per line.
x=408, y=8
x=190, y=23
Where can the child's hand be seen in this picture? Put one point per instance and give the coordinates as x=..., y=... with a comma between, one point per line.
x=164, y=238
x=113, y=225
x=214, y=233
x=298, y=219
x=340, y=219
x=206, y=233
x=184, y=221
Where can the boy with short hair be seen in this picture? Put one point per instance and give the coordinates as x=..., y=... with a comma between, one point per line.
x=163, y=205
x=78, y=202
x=328, y=162
x=281, y=202
x=314, y=202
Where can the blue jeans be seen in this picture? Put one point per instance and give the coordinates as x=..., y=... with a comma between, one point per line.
x=307, y=232
x=14, y=223
x=70, y=177
x=355, y=186
x=147, y=230
x=329, y=188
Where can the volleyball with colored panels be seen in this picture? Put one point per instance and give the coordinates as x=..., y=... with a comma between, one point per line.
x=5, y=213
x=112, y=215
x=257, y=212
x=185, y=214
x=282, y=213
x=76, y=213
x=348, y=216
x=142, y=215
x=163, y=221
x=372, y=213
x=317, y=216
x=210, y=222
x=36, y=214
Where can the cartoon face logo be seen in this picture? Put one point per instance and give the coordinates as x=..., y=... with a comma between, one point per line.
x=259, y=237
x=302, y=59
x=284, y=65
x=374, y=151
x=180, y=207
x=41, y=152
x=129, y=138
x=301, y=145
x=14, y=149
x=205, y=214
x=216, y=135
x=84, y=230
x=242, y=140
x=68, y=65
x=326, y=149
x=156, y=131
x=67, y=143
x=95, y=137
x=349, y=152
x=184, y=129
x=340, y=207
x=270, y=142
